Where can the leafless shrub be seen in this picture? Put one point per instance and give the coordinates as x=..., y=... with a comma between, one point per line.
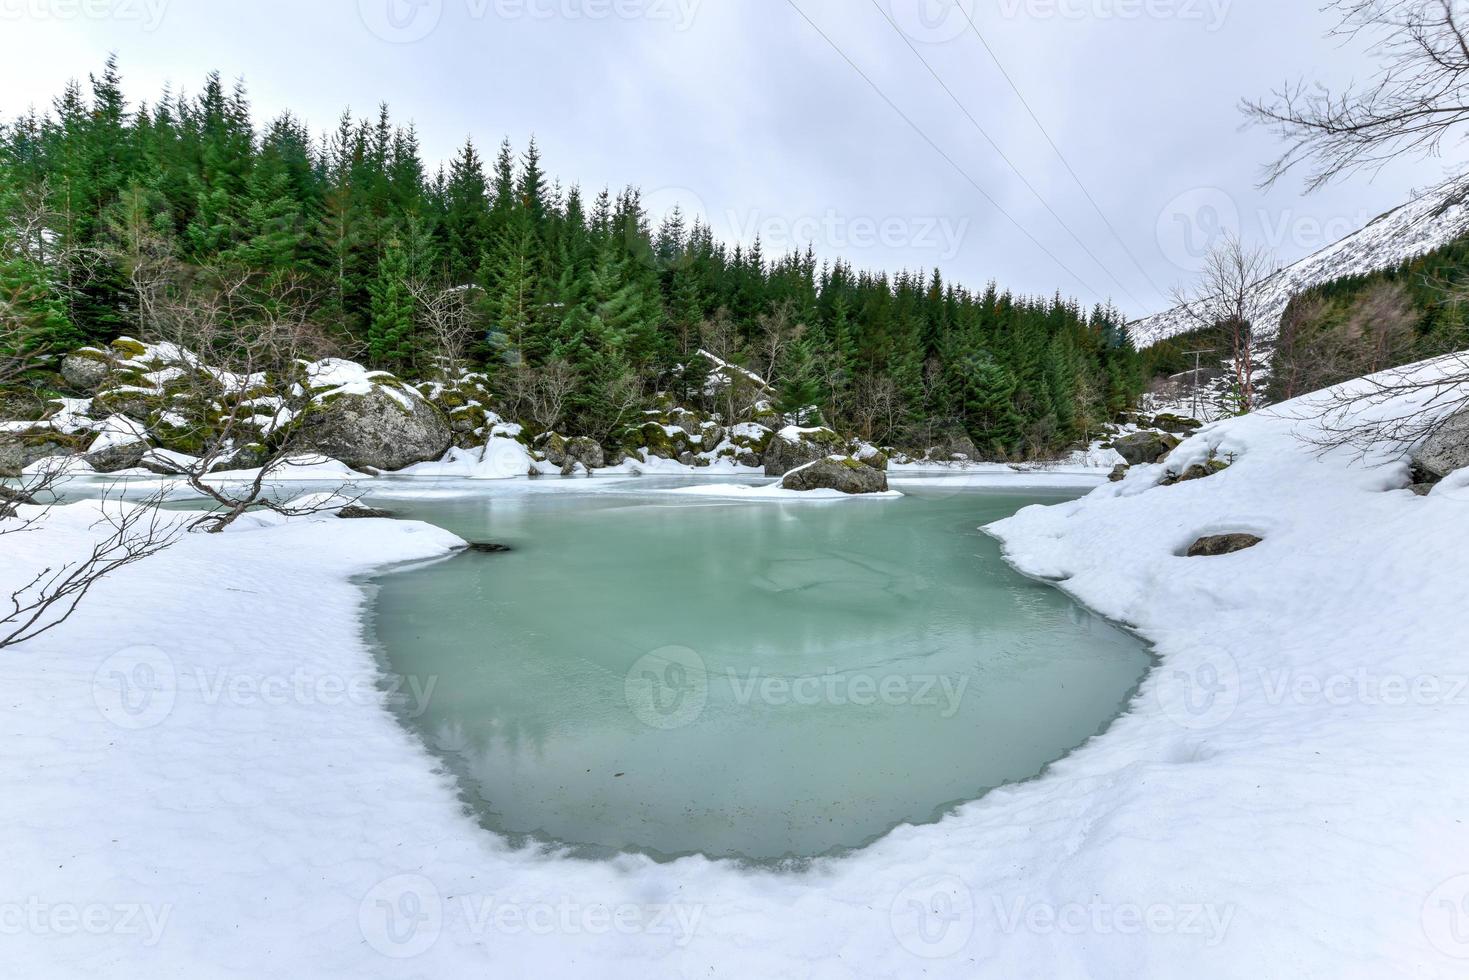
x=1223, y=299
x=450, y=318
x=875, y=406
x=542, y=394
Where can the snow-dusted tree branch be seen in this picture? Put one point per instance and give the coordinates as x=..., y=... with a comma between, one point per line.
x=130, y=532
x=1418, y=100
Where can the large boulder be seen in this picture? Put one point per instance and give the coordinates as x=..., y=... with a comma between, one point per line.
x=841, y=473
x=588, y=452
x=376, y=426
x=1446, y=450
x=85, y=370
x=793, y=447
x=1141, y=448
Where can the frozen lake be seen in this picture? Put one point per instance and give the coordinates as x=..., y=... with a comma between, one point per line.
x=672, y=675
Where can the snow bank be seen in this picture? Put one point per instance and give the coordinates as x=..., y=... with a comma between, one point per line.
x=199, y=763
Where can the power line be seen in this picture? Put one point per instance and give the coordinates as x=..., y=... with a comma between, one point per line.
x=996, y=147
x=940, y=151
x=1065, y=162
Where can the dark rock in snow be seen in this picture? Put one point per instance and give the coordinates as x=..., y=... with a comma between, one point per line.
x=359, y=512
x=115, y=458
x=1216, y=545
x=1119, y=473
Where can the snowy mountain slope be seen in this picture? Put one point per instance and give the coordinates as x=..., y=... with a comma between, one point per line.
x=1431, y=221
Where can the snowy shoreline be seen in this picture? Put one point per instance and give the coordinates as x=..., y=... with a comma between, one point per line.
x=1268, y=805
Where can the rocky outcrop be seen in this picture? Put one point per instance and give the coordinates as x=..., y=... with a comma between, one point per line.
x=1446, y=450
x=1145, y=447
x=1119, y=473
x=842, y=473
x=1215, y=545
x=381, y=428
x=793, y=447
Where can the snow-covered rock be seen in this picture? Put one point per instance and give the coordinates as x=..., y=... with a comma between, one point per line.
x=370, y=421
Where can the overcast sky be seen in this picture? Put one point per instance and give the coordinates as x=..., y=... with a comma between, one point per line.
x=740, y=110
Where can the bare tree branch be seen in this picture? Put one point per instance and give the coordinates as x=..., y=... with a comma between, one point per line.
x=1418, y=100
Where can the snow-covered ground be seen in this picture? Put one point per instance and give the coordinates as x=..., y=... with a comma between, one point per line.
x=201, y=778
x=1431, y=220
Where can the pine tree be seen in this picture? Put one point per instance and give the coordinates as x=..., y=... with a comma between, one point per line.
x=390, y=334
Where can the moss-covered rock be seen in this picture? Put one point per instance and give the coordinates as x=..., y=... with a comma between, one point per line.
x=793, y=447
x=841, y=473
x=552, y=445
x=1145, y=447
x=654, y=440
x=127, y=348
x=1176, y=424
x=86, y=370
x=379, y=429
